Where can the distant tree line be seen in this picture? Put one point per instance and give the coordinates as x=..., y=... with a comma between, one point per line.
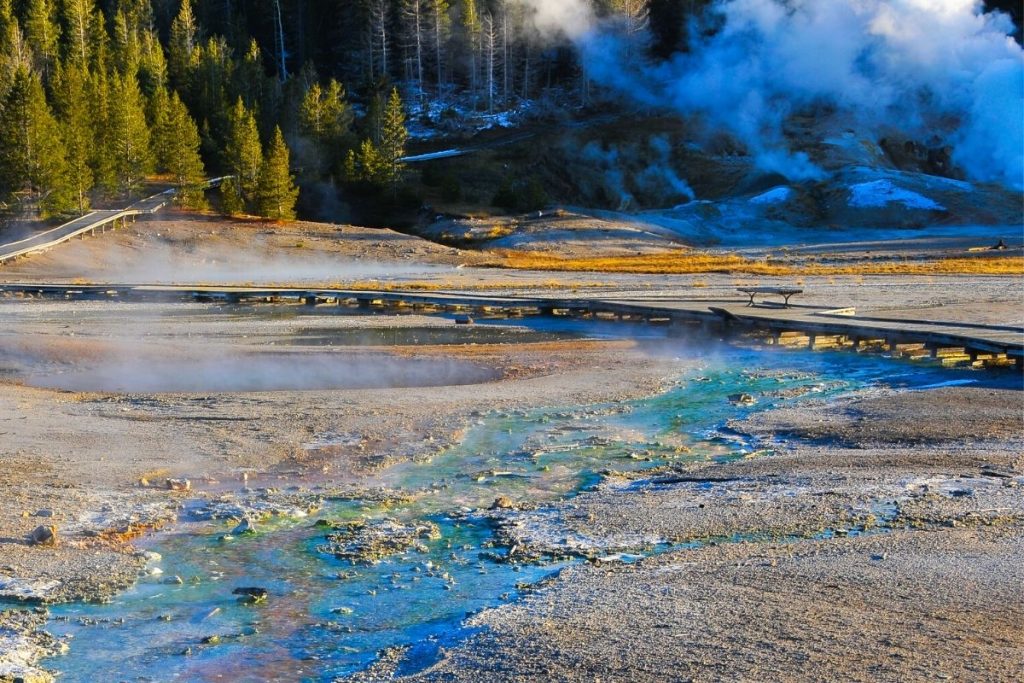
x=96, y=96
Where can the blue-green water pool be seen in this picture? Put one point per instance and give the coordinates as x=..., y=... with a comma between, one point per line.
x=325, y=618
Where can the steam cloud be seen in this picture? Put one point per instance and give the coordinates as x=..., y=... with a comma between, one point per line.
x=166, y=264
x=920, y=66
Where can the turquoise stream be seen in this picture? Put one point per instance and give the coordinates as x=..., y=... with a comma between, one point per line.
x=325, y=618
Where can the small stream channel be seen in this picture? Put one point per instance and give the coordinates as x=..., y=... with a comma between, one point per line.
x=325, y=618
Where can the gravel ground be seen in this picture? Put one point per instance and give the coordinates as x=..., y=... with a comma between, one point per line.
x=886, y=558
x=908, y=605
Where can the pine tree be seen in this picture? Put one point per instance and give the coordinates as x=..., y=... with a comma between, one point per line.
x=78, y=16
x=100, y=159
x=99, y=44
x=42, y=32
x=250, y=81
x=129, y=135
x=366, y=164
x=209, y=86
x=152, y=63
x=374, y=121
x=393, y=138
x=277, y=192
x=326, y=117
x=243, y=154
x=231, y=203
x=72, y=100
x=14, y=52
x=182, y=51
x=159, y=115
x=181, y=140
x=378, y=38
x=489, y=38
x=32, y=161
x=351, y=168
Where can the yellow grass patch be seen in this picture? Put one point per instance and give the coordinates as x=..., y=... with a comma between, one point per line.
x=421, y=286
x=683, y=263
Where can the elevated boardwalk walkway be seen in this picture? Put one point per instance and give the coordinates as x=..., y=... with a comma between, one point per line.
x=89, y=224
x=812, y=327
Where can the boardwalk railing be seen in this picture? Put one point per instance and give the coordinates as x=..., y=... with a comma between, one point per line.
x=946, y=341
x=90, y=223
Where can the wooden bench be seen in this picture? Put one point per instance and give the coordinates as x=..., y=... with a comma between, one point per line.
x=784, y=292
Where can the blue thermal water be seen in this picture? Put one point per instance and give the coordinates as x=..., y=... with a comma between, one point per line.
x=325, y=618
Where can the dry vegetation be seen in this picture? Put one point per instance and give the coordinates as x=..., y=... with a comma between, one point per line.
x=683, y=263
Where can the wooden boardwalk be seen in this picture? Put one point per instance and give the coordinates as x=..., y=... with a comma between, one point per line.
x=812, y=327
x=89, y=224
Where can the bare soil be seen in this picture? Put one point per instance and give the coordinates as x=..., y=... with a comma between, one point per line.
x=880, y=560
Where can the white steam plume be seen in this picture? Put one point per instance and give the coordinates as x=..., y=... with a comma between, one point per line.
x=572, y=18
x=918, y=65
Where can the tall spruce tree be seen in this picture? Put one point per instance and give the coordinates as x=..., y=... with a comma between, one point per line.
x=182, y=50
x=33, y=167
x=366, y=165
x=129, y=137
x=393, y=138
x=12, y=47
x=326, y=118
x=277, y=193
x=42, y=32
x=77, y=16
x=100, y=159
x=127, y=50
x=243, y=154
x=440, y=25
x=231, y=203
x=183, y=160
x=71, y=96
x=159, y=113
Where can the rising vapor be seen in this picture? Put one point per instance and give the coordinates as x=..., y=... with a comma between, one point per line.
x=926, y=67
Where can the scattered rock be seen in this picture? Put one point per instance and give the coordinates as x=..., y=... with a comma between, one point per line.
x=251, y=594
x=27, y=589
x=23, y=643
x=44, y=513
x=370, y=541
x=246, y=526
x=174, y=580
x=502, y=503
x=178, y=485
x=43, y=535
